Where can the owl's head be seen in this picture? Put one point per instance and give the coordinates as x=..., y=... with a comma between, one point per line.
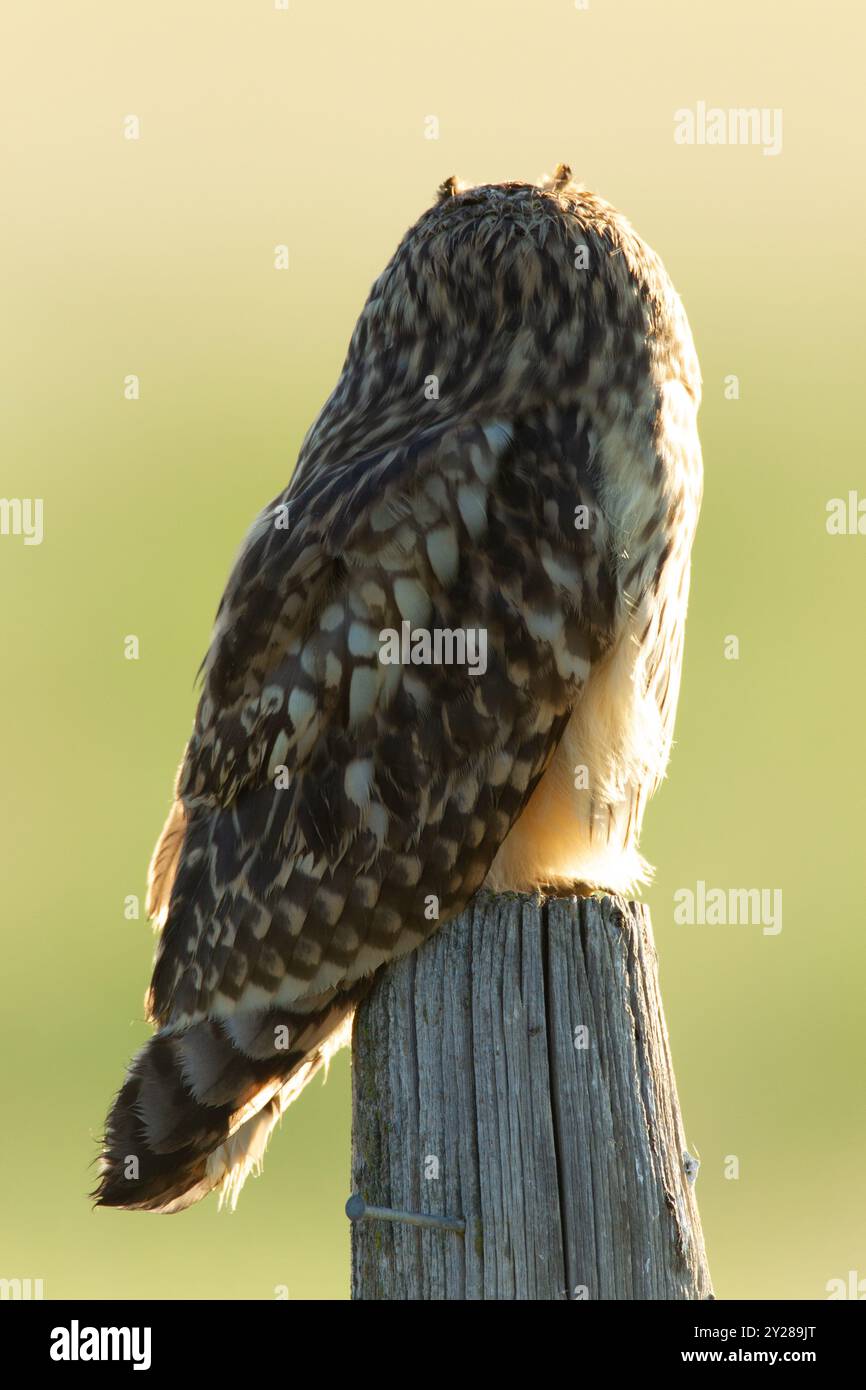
x=503, y=298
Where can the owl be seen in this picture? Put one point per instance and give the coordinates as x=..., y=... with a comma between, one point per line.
x=448, y=657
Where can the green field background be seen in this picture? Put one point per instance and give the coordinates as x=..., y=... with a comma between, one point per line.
x=155, y=257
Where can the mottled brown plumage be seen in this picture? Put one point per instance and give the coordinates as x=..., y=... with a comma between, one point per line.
x=511, y=447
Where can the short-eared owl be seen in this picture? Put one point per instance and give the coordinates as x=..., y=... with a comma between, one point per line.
x=511, y=450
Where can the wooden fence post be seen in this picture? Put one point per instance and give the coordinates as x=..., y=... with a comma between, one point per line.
x=512, y=1080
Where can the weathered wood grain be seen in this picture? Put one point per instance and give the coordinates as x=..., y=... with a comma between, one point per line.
x=515, y=1072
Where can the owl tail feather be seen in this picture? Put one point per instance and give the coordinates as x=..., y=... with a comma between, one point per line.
x=199, y=1104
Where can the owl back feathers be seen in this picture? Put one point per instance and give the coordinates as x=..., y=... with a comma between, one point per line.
x=333, y=808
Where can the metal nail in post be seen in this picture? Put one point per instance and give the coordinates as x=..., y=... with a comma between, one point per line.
x=358, y=1210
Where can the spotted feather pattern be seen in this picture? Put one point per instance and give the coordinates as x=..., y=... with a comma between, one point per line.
x=333, y=808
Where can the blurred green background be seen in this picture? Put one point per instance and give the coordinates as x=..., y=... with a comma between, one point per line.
x=155, y=257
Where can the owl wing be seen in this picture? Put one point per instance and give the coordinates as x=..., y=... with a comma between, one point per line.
x=334, y=805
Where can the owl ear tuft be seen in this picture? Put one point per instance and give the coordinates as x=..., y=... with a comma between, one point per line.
x=449, y=188
x=561, y=177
